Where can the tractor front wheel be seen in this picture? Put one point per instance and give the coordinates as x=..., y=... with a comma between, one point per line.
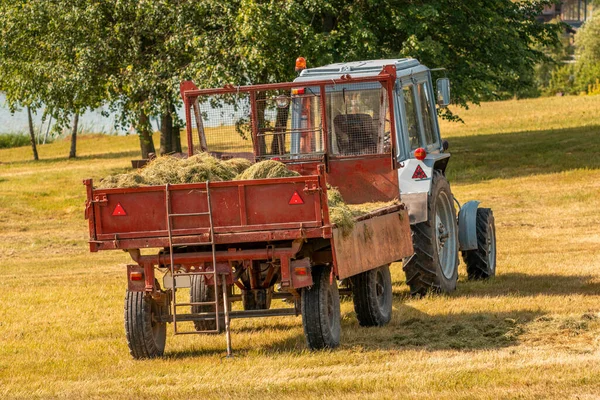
x=434, y=266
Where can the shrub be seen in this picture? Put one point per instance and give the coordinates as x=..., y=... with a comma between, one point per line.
x=13, y=139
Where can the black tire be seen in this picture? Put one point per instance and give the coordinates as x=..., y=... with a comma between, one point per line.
x=201, y=292
x=320, y=306
x=481, y=263
x=372, y=296
x=434, y=266
x=145, y=336
x=258, y=299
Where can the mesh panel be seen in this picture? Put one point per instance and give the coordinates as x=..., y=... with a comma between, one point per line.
x=223, y=123
x=291, y=126
x=358, y=119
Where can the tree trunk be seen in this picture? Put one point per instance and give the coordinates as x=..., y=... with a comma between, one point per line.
x=260, y=111
x=278, y=143
x=166, y=134
x=73, y=152
x=32, y=135
x=177, y=139
x=145, y=133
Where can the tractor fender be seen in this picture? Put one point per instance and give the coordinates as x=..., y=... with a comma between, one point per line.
x=467, y=226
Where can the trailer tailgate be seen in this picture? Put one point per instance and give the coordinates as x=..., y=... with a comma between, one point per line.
x=377, y=239
x=237, y=206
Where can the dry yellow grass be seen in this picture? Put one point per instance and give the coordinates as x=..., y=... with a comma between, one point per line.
x=530, y=333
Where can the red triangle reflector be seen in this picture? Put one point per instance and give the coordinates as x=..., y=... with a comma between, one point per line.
x=296, y=199
x=419, y=173
x=119, y=211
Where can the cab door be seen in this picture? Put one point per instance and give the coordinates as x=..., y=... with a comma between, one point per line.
x=417, y=128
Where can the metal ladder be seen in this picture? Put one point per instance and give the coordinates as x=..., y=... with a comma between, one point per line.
x=214, y=273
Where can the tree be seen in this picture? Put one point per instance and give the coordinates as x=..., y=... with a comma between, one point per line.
x=486, y=47
x=154, y=43
x=587, y=41
x=51, y=55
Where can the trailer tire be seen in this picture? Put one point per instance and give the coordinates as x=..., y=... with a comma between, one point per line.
x=201, y=292
x=320, y=305
x=372, y=296
x=145, y=336
x=481, y=263
x=434, y=266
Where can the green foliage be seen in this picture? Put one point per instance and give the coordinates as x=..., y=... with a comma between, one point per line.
x=75, y=54
x=588, y=54
x=15, y=139
x=581, y=76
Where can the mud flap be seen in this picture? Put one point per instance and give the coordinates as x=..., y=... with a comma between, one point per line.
x=467, y=226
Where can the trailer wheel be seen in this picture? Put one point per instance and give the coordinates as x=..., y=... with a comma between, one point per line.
x=320, y=306
x=372, y=295
x=481, y=263
x=201, y=292
x=146, y=336
x=434, y=266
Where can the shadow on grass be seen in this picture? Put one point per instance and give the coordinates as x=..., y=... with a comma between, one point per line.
x=466, y=331
x=517, y=284
x=508, y=155
x=409, y=329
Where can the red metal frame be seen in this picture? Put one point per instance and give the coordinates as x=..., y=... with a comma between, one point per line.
x=189, y=93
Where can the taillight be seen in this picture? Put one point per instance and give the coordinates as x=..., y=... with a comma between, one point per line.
x=136, y=276
x=298, y=91
x=420, y=154
x=302, y=271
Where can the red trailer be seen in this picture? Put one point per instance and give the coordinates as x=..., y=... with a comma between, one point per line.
x=252, y=241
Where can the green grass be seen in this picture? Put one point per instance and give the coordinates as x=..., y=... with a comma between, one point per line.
x=532, y=332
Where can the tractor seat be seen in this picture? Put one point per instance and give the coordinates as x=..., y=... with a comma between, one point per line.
x=355, y=134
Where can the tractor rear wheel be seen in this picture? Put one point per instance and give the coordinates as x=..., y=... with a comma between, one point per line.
x=320, y=306
x=372, y=295
x=434, y=266
x=201, y=292
x=481, y=263
x=146, y=336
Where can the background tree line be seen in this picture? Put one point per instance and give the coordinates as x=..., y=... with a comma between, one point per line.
x=73, y=55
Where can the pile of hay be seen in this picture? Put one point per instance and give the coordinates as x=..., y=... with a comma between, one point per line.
x=267, y=169
x=339, y=212
x=162, y=170
x=359, y=210
x=198, y=168
x=204, y=167
x=343, y=215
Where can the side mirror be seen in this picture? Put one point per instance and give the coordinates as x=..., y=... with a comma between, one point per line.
x=443, y=91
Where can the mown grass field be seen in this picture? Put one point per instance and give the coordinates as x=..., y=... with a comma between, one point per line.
x=532, y=332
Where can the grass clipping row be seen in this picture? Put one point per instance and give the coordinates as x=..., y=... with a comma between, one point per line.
x=203, y=167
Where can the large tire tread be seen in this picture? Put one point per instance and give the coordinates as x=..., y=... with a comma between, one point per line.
x=422, y=272
x=201, y=292
x=477, y=260
x=366, y=305
x=138, y=327
x=318, y=333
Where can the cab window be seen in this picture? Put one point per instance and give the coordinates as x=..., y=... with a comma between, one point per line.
x=411, y=117
x=425, y=103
